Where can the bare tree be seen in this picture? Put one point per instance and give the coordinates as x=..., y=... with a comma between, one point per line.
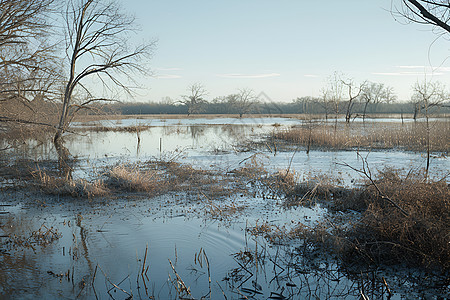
x=354, y=91
x=243, y=101
x=430, y=12
x=306, y=104
x=426, y=96
x=376, y=93
x=97, y=36
x=195, y=101
x=333, y=94
x=28, y=68
x=326, y=103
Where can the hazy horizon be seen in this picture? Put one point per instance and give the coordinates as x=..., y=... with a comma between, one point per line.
x=286, y=49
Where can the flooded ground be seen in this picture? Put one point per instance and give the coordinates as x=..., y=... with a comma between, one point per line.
x=180, y=245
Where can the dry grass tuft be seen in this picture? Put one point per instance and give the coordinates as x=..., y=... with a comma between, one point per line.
x=132, y=178
x=41, y=237
x=55, y=185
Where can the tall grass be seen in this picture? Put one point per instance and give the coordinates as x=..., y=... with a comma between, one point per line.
x=410, y=136
x=56, y=185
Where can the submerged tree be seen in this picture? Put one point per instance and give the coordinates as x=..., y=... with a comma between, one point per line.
x=98, y=45
x=195, y=101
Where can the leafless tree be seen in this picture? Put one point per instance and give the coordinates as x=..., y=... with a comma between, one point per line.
x=98, y=45
x=426, y=96
x=333, y=94
x=243, y=101
x=195, y=101
x=376, y=93
x=325, y=102
x=354, y=91
x=430, y=12
x=28, y=67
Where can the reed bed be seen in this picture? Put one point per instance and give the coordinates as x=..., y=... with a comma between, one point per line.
x=409, y=136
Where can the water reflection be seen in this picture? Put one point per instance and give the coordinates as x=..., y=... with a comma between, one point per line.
x=212, y=143
x=150, y=248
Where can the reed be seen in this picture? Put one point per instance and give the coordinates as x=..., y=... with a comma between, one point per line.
x=411, y=136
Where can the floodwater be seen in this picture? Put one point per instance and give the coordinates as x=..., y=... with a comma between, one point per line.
x=217, y=144
x=176, y=246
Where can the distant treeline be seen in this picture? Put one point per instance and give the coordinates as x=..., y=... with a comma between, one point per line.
x=294, y=107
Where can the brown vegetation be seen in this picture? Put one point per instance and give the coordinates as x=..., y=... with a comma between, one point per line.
x=381, y=233
x=410, y=136
x=56, y=185
x=420, y=237
x=131, y=178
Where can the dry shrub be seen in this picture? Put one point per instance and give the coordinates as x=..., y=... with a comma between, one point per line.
x=387, y=235
x=68, y=187
x=381, y=233
x=132, y=178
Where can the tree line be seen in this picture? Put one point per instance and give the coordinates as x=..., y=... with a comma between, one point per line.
x=339, y=97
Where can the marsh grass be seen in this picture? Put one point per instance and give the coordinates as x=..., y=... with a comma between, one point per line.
x=384, y=234
x=130, y=129
x=363, y=227
x=148, y=179
x=133, y=179
x=56, y=185
x=410, y=136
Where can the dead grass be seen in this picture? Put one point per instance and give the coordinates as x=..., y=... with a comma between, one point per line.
x=43, y=236
x=130, y=129
x=381, y=233
x=422, y=237
x=132, y=178
x=55, y=185
x=410, y=136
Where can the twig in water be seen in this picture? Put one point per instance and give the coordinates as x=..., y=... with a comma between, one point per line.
x=145, y=259
x=180, y=282
x=116, y=285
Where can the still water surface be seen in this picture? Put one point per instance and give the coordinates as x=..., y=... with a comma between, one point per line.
x=101, y=247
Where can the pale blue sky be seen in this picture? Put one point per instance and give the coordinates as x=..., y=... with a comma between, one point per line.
x=285, y=48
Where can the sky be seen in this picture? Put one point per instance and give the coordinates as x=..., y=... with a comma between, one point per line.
x=284, y=48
